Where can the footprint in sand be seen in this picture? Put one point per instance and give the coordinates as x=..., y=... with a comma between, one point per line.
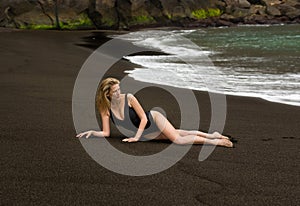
x=267, y=139
x=295, y=138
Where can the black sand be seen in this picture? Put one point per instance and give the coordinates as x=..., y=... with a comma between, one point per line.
x=43, y=163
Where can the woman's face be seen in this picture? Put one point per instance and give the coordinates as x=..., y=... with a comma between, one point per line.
x=115, y=91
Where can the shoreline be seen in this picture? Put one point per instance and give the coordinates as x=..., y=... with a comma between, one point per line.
x=267, y=98
x=158, y=27
x=43, y=162
x=220, y=93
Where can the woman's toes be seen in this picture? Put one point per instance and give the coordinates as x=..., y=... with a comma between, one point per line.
x=226, y=143
x=229, y=143
x=221, y=136
x=224, y=137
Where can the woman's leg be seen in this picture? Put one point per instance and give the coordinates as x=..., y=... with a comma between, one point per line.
x=174, y=135
x=215, y=135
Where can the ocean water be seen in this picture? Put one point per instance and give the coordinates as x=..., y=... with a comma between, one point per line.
x=254, y=61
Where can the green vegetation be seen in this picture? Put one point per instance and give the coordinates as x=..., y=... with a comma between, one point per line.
x=203, y=14
x=169, y=16
x=37, y=26
x=108, y=22
x=143, y=19
x=82, y=21
x=199, y=14
x=214, y=12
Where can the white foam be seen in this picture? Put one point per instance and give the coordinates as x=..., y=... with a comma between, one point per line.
x=201, y=74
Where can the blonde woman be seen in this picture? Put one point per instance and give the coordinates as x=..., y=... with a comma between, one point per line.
x=125, y=111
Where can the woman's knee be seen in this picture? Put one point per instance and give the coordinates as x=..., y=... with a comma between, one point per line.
x=179, y=141
x=176, y=138
x=155, y=114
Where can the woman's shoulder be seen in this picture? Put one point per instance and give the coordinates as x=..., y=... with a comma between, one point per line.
x=130, y=97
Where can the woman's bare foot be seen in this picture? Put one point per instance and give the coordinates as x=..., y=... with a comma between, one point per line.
x=217, y=135
x=225, y=143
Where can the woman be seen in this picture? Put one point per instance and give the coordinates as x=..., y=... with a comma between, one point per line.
x=126, y=111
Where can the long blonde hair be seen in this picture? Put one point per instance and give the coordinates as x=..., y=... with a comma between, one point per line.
x=103, y=101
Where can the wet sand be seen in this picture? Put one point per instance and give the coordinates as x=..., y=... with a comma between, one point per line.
x=43, y=163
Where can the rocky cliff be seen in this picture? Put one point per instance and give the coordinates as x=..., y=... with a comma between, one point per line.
x=127, y=14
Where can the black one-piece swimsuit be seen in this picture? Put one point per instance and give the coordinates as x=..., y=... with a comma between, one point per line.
x=132, y=121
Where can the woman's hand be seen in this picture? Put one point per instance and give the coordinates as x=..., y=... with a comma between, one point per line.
x=132, y=139
x=87, y=134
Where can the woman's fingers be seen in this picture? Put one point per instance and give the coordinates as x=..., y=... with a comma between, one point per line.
x=79, y=135
x=88, y=134
x=132, y=139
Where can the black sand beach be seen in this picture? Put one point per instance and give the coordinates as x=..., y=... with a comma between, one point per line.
x=43, y=163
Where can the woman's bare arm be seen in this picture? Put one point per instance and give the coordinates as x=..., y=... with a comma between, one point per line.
x=105, y=128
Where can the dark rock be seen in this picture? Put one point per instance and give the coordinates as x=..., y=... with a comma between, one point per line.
x=273, y=11
x=284, y=8
x=255, y=19
x=293, y=14
x=33, y=12
x=296, y=21
x=178, y=12
x=227, y=17
x=220, y=22
x=289, y=10
x=221, y=5
x=283, y=19
x=270, y=2
x=257, y=9
x=126, y=14
x=239, y=12
x=243, y=4
x=256, y=2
